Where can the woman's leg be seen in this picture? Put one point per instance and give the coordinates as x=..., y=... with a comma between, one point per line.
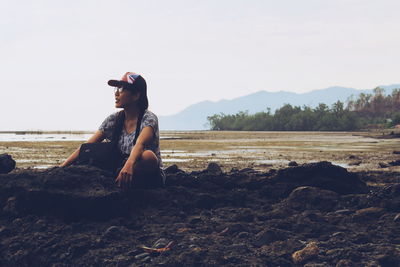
x=146, y=172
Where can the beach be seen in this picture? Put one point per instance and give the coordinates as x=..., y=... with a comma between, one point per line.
x=194, y=150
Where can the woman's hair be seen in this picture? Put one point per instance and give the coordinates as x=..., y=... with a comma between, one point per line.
x=139, y=86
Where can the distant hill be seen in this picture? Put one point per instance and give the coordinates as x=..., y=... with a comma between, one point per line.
x=194, y=117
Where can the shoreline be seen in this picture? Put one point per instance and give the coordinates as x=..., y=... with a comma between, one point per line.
x=261, y=150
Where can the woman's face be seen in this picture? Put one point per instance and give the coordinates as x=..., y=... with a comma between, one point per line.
x=125, y=98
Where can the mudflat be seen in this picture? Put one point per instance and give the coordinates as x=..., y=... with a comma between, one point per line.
x=260, y=150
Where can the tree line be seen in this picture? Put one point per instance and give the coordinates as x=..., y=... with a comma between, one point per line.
x=366, y=111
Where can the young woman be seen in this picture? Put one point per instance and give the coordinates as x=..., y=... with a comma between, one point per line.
x=141, y=166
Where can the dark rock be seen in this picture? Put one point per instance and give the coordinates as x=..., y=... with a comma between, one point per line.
x=395, y=163
x=214, y=168
x=40, y=224
x=146, y=260
x=11, y=205
x=243, y=235
x=71, y=193
x=244, y=216
x=206, y=213
x=338, y=235
x=306, y=197
x=182, y=214
x=268, y=236
x=322, y=175
x=316, y=264
x=195, y=220
x=234, y=169
x=142, y=256
x=396, y=152
x=236, y=228
x=307, y=253
x=206, y=201
x=354, y=157
x=344, y=212
x=17, y=222
x=193, y=257
x=383, y=165
x=344, y=263
x=134, y=252
x=371, y=213
x=239, y=248
x=395, y=190
x=388, y=260
x=355, y=163
x=272, y=171
x=293, y=164
x=262, y=217
x=390, y=204
x=112, y=232
x=172, y=169
x=7, y=164
x=121, y=260
x=4, y=230
x=247, y=170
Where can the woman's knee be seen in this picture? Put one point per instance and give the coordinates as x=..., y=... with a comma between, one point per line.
x=149, y=159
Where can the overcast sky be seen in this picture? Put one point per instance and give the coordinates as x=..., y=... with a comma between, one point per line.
x=56, y=56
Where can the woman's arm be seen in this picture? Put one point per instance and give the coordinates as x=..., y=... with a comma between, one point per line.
x=97, y=137
x=125, y=175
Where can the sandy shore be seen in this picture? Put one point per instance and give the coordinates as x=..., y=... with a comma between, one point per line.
x=260, y=150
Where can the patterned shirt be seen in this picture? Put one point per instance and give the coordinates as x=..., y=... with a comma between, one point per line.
x=125, y=142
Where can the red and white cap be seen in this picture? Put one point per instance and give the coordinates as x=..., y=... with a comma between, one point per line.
x=127, y=79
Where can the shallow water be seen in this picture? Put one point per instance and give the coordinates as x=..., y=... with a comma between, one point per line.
x=174, y=160
x=45, y=137
x=42, y=167
x=15, y=137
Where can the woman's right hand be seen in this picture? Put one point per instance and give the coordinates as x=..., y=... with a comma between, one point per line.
x=125, y=176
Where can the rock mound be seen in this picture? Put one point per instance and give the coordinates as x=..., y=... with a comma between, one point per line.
x=311, y=198
x=7, y=164
x=323, y=175
x=87, y=192
x=76, y=216
x=73, y=192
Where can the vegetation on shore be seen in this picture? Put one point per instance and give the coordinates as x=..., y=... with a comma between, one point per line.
x=375, y=110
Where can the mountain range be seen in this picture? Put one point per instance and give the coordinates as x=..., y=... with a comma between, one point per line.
x=194, y=117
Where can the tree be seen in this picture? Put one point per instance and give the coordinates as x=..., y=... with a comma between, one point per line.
x=338, y=108
x=366, y=110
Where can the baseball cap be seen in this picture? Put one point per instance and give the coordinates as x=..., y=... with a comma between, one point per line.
x=130, y=80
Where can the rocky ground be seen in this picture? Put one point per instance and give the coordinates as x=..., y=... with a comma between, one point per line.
x=314, y=214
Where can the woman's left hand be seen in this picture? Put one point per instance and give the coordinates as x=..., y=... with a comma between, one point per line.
x=124, y=178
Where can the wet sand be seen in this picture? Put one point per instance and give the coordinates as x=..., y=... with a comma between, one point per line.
x=191, y=151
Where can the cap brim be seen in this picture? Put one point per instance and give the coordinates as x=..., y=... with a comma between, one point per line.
x=115, y=83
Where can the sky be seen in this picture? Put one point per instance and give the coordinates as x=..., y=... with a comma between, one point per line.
x=56, y=56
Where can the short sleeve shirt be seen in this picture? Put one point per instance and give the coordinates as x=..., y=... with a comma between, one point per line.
x=125, y=142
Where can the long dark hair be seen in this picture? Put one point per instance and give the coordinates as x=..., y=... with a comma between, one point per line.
x=139, y=86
